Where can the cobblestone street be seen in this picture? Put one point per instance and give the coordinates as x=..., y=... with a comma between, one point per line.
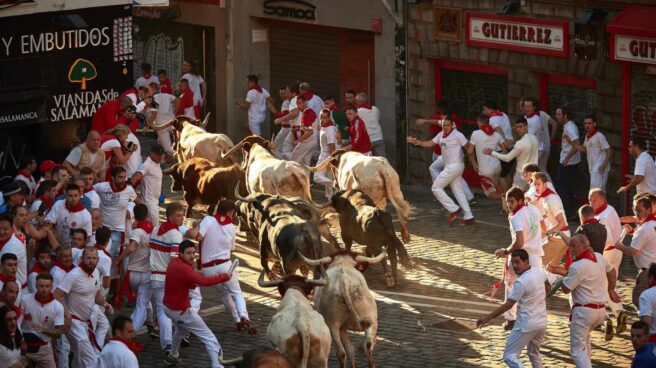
x=428, y=319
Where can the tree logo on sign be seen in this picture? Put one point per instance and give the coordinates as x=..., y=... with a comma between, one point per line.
x=81, y=71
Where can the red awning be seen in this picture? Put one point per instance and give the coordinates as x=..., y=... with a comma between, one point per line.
x=634, y=20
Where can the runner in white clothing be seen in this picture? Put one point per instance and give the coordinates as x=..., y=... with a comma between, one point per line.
x=488, y=167
x=590, y=279
x=291, y=120
x=89, y=177
x=10, y=244
x=167, y=104
x=257, y=101
x=286, y=95
x=644, y=175
x=150, y=177
x=528, y=293
x=371, y=117
x=121, y=351
x=648, y=303
x=452, y=143
x=525, y=151
x=597, y=150
x=69, y=214
x=569, y=159
x=532, y=116
x=196, y=84
x=328, y=138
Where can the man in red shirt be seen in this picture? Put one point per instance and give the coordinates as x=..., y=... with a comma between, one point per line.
x=164, y=82
x=186, y=104
x=180, y=279
x=113, y=113
x=360, y=141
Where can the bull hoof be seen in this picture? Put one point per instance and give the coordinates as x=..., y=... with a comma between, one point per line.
x=405, y=236
x=389, y=281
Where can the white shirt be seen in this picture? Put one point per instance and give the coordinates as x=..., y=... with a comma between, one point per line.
x=114, y=205
x=451, y=146
x=285, y=106
x=144, y=82
x=57, y=276
x=535, y=128
x=194, y=83
x=611, y=221
x=504, y=122
x=316, y=104
x=532, y=195
x=162, y=248
x=66, y=220
x=648, y=307
x=104, y=265
x=94, y=198
x=552, y=206
x=165, y=111
x=572, y=131
x=371, y=118
x=134, y=161
x=151, y=181
x=139, y=260
x=107, y=147
x=644, y=166
x=258, y=105
x=294, y=106
x=596, y=147
x=29, y=181
x=529, y=293
x=81, y=290
x=13, y=245
x=644, y=239
x=10, y=357
x=527, y=221
x=327, y=135
x=544, y=122
x=487, y=164
x=49, y=315
x=116, y=354
x=525, y=150
x=190, y=112
x=218, y=240
x=588, y=281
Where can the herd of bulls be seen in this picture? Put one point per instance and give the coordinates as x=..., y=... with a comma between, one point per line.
x=275, y=207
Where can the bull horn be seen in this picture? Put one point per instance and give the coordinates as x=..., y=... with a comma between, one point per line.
x=319, y=167
x=203, y=124
x=371, y=260
x=239, y=197
x=321, y=282
x=315, y=262
x=262, y=283
x=273, y=137
x=232, y=151
x=164, y=125
x=234, y=361
x=170, y=170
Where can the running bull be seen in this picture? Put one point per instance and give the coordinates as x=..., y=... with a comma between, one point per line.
x=361, y=221
x=296, y=329
x=192, y=140
x=205, y=182
x=374, y=176
x=262, y=357
x=347, y=304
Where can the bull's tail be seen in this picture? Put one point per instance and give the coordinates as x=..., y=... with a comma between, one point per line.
x=349, y=302
x=394, y=242
x=305, y=340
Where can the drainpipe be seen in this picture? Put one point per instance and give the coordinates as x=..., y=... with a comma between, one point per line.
x=400, y=76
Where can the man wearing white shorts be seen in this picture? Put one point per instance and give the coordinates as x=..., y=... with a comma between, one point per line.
x=452, y=143
x=256, y=103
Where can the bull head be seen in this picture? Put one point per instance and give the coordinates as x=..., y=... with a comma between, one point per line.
x=176, y=177
x=331, y=161
x=358, y=258
x=235, y=361
x=290, y=281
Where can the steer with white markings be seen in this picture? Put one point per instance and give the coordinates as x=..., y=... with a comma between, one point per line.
x=262, y=357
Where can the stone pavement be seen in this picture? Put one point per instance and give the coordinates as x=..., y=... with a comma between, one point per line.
x=428, y=319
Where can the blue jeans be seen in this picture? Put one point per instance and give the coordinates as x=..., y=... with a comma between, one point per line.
x=563, y=183
x=115, y=250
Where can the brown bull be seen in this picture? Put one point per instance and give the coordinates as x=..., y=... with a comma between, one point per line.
x=205, y=182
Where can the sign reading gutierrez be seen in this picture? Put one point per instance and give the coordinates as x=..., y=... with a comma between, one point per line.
x=537, y=36
x=636, y=49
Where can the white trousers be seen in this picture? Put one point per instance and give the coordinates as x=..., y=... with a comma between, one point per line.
x=598, y=180
x=287, y=146
x=190, y=321
x=303, y=151
x=584, y=320
x=436, y=168
x=280, y=141
x=255, y=127
x=140, y=282
x=153, y=212
x=517, y=341
x=452, y=175
x=164, y=138
x=614, y=257
x=165, y=326
x=325, y=177
x=63, y=348
x=85, y=355
x=229, y=291
x=44, y=358
x=195, y=298
x=534, y=261
x=543, y=160
x=101, y=324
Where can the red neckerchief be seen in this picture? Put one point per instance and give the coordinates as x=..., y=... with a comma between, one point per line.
x=86, y=270
x=257, y=88
x=45, y=300
x=101, y=248
x=487, y=129
x=308, y=95
x=38, y=269
x=590, y=221
x=165, y=227
x=46, y=200
x=146, y=226
x=117, y=189
x=547, y=192
x=601, y=209
x=20, y=235
x=24, y=173
x=445, y=134
x=77, y=208
x=587, y=254
x=651, y=217
x=5, y=278
x=536, y=112
x=223, y=219
x=517, y=210
x=327, y=124
x=64, y=268
x=365, y=105
x=495, y=113
x=591, y=133
x=652, y=284
x=87, y=190
x=147, y=75
x=133, y=346
x=333, y=107
x=4, y=242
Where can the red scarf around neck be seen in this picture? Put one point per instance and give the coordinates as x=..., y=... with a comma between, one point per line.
x=333, y=107
x=147, y=75
x=46, y=200
x=38, y=269
x=117, y=189
x=546, y=193
x=86, y=269
x=133, y=346
x=308, y=96
x=257, y=88
x=77, y=208
x=536, y=112
x=518, y=209
x=87, y=190
x=102, y=249
x=5, y=278
x=365, y=105
x=223, y=219
x=587, y=254
x=601, y=209
x=651, y=217
x=591, y=133
x=327, y=123
x=590, y=221
x=47, y=299
x=66, y=269
x=445, y=134
x=487, y=129
x=146, y=226
x=495, y=113
x=24, y=173
x=166, y=227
